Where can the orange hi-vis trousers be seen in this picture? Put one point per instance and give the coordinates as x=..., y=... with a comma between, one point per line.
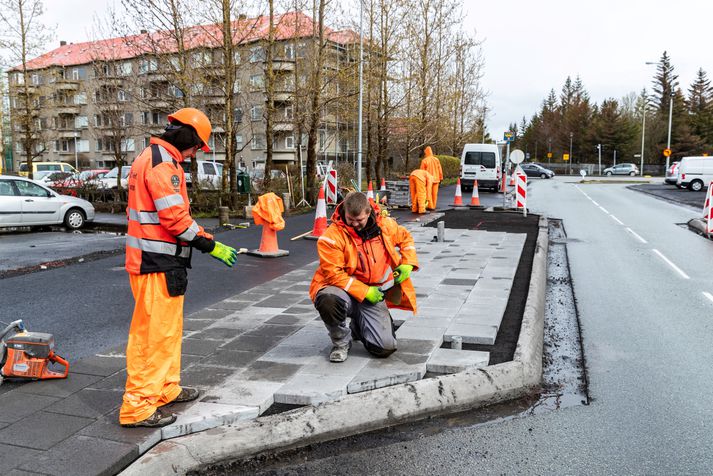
x=419, y=195
x=433, y=199
x=153, y=353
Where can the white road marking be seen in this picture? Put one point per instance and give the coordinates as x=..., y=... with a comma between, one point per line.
x=590, y=199
x=616, y=219
x=604, y=210
x=673, y=266
x=636, y=235
x=708, y=296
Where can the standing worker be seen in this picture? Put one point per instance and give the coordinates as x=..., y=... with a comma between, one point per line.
x=160, y=237
x=432, y=165
x=420, y=184
x=361, y=275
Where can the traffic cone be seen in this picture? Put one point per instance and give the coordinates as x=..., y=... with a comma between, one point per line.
x=370, y=192
x=512, y=178
x=268, y=245
x=383, y=185
x=320, y=217
x=475, y=198
x=458, y=200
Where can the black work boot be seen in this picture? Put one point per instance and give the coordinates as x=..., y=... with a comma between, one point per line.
x=158, y=419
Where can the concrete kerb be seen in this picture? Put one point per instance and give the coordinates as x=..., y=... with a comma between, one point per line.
x=378, y=408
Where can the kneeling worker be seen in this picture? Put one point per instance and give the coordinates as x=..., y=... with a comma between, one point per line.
x=159, y=241
x=359, y=268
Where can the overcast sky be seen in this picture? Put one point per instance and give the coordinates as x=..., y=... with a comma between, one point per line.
x=531, y=47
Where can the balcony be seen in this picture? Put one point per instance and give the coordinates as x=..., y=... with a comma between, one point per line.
x=284, y=96
x=284, y=155
x=66, y=85
x=283, y=126
x=279, y=65
x=67, y=109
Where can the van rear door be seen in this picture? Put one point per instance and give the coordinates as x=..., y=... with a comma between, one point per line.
x=480, y=165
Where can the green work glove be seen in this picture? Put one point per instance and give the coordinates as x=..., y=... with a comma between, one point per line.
x=373, y=295
x=224, y=253
x=401, y=273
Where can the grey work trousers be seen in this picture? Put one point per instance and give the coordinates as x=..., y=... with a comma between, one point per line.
x=370, y=323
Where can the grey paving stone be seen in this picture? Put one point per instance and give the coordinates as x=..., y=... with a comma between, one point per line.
x=60, y=387
x=285, y=320
x=231, y=305
x=432, y=312
x=429, y=322
x=274, y=330
x=199, y=346
x=231, y=358
x=42, y=430
x=188, y=360
x=300, y=309
x=308, y=337
x=213, y=314
x=90, y=403
x=13, y=456
x=282, y=300
x=108, y=428
x=112, y=382
x=253, y=342
x=407, y=331
x=195, y=324
x=357, y=359
x=459, y=282
x=250, y=393
x=422, y=347
x=205, y=376
x=398, y=368
x=204, y=416
x=83, y=455
x=98, y=365
x=293, y=355
x=218, y=333
x=450, y=361
x=311, y=389
x=20, y=472
x=270, y=371
x=303, y=288
x=15, y=406
x=472, y=333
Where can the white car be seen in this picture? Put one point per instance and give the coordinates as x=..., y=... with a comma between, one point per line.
x=210, y=174
x=109, y=180
x=24, y=202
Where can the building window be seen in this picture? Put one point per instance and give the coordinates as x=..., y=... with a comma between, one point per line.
x=36, y=79
x=175, y=91
x=289, y=51
x=125, y=68
x=257, y=54
x=258, y=142
x=83, y=145
x=81, y=122
x=75, y=74
x=145, y=117
x=98, y=145
x=301, y=50
x=256, y=113
x=148, y=66
x=239, y=141
x=19, y=79
x=121, y=95
x=322, y=139
x=127, y=145
x=55, y=145
x=126, y=119
x=156, y=118
x=237, y=115
x=147, y=142
x=237, y=86
x=289, y=113
x=64, y=143
x=257, y=81
x=80, y=98
x=236, y=57
x=290, y=142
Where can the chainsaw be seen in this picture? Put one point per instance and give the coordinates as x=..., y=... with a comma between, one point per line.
x=28, y=355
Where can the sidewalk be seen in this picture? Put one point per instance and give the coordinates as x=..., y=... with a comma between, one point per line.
x=263, y=351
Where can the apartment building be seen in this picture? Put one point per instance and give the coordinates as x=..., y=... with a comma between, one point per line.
x=91, y=103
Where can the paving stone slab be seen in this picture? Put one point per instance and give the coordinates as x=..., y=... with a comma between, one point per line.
x=112, y=382
x=428, y=322
x=270, y=371
x=199, y=346
x=433, y=312
x=274, y=330
x=42, y=430
x=286, y=320
x=393, y=370
x=250, y=393
x=195, y=324
x=83, y=455
x=422, y=347
x=213, y=314
x=98, y=365
x=205, y=376
x=450, y=361
x=204, y=416
x=434, y=334
x=218, y=333
x=282, y=300
x=253, y=342
x=357, y=359
x=231, y=358
x=15, y=406
x=108, y=428
x=472, y=333
x=308, y=337
x=294, y=355
x=230, y=305
x=12, y=456
x=91, y=403
x=60, y=387
x=312, y=389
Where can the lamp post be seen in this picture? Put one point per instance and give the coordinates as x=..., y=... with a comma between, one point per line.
x=571, y=135
x=361, y=92
x=76, y=156
x=643, y=135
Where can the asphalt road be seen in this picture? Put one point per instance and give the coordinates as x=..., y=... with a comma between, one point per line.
x=645, y=295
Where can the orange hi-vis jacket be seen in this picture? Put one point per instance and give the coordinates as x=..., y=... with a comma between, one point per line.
x=339, y=260
x=161, y=230
x=432, y=165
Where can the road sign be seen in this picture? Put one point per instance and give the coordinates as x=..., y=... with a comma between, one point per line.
x=549, y=155
x=517, y=156
x=667, y=152
x=527, y=156
x=565, y=157
x=583, y=173
x=508, y=137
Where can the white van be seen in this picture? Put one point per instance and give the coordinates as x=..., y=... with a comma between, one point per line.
x=209, y=174
x=480, y=162
x=695, y=173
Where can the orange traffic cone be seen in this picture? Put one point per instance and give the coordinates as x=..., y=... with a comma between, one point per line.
x=370, y=192
x=458, y=200
x=512, y=178
x=475, y=198
x=383, y=185
x=320, y=217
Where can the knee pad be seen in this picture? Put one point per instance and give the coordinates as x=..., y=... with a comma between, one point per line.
x=377, y=351
x=331, y=308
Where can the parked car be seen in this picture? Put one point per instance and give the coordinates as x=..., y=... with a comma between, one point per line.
x=622, y=169
x=108, y=181
x=84, y=179
x=45, y=166
x=672, y=174
x=24, y=202
x=695, y=173
x=536, y=170
x=54, y=178
x=209, y=174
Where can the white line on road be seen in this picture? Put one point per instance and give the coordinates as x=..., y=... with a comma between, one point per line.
x=708, y=295
x=670, y=263
x=636, y=235
x=590, y=199
x=604, y=210
x=616, y=219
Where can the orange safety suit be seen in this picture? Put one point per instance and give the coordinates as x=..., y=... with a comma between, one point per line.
x=432, y=165
x=160, y=236
x=420, y=184
x=344, y=263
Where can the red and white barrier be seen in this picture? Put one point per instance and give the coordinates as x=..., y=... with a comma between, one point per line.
x=708, y=209
x=521, y=191
x=331, y=187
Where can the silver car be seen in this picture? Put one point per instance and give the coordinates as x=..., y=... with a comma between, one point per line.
x=672, y=174
x=24, y=202
x=622, y=169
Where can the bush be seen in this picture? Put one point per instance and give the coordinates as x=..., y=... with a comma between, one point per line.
x=450, y=166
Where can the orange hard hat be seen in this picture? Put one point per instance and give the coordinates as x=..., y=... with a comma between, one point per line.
x=197, y=120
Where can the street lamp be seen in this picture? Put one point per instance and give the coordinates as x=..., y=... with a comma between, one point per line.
x=643, y=135
x=76, y=157
x=361, y=92
x=670, y=116
x=571, y=134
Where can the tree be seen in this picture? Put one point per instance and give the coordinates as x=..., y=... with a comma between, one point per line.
x=269, y=94
x=24, y=36
x=700, y=107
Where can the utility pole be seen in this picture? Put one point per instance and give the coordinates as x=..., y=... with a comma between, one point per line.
x=614, y=156
x=571, y=135
x=643, y=133
x=599, y=148
x=670, y=116
x=361, y=90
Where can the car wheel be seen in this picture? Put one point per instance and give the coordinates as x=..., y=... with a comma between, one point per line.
x=632, y=173
x=543, y=175
x=608, y=174
x=696, y=186
x=74, y=219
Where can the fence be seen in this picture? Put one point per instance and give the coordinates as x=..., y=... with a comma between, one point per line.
x=593, y=169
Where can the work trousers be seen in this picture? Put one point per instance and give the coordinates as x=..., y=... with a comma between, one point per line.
x=153, y=353
x=369, y=323
x=433, y=199
x=419, y=195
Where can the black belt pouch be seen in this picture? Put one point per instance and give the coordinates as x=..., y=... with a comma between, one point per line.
x=176, y=282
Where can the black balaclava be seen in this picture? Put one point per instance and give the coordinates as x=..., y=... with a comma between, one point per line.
x=181, y=136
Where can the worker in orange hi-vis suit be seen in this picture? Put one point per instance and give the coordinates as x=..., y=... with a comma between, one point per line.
x=160, y=237
x=420, y=183
x=432, y=165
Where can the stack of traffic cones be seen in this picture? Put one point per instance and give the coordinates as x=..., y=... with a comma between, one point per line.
x=475, y=198
x=320, y=217
x=458, y=200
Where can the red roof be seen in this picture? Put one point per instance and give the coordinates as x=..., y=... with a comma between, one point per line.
x=288, y=25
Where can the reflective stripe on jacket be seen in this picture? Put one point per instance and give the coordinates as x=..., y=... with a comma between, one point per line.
x=338, y=261
x=161, y=230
